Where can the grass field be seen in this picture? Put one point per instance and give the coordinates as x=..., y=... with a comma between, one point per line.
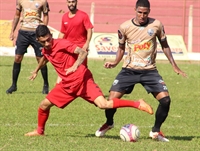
x=73, y=128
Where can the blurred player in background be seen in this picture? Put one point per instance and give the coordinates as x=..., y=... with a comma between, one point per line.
x=77, y=80
x=31, y=11
x=76, y=27
x=140, y=66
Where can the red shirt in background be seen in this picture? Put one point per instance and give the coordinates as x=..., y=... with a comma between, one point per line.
x=75, y=28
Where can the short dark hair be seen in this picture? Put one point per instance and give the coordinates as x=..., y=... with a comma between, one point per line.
x=142, y=3
x=41, y=31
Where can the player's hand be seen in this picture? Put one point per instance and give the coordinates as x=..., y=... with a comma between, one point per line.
x=179, y=71
x=70, y=70
x=85, y=47
x=110, y=65
x=33, y=76
x=12, y=36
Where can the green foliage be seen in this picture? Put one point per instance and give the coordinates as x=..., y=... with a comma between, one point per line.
x=73, y=128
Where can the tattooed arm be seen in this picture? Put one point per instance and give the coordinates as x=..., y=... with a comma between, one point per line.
x=82, y=54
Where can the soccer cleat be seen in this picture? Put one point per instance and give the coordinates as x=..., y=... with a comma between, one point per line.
x=45, y=89
x=159, y=136
x=103, y=129
x=33, y=133
x=145, y=107
x=11, y=90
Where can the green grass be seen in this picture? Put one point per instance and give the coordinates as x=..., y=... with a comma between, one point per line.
x=73, y=128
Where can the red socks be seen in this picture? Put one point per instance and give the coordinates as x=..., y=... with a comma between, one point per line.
x=117, y=103
x=42, y=118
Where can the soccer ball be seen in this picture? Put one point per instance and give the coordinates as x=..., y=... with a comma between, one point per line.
x=129, y=133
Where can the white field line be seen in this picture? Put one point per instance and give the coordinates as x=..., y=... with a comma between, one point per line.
x=80, y=125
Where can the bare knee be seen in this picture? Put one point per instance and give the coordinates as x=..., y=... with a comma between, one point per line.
x=102, y=103
x=46, y=104
x=18, y=58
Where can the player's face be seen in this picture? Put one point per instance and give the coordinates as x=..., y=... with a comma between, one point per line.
x=46, y=41
x=142, y=15
x=72, y=4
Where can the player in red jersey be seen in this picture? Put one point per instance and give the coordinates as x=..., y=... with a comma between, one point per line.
x=77, y=80
x=76, y=27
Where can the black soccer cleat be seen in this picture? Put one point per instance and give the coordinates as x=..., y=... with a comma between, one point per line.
x=11, y=90
x=45, y=89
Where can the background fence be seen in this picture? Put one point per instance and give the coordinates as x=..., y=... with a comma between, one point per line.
x=180, y=17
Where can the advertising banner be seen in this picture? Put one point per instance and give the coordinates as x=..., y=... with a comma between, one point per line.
x=105, y=45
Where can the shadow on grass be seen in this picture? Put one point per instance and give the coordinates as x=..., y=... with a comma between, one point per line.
x=107, y=136
x=27, y=92
x=181, y=138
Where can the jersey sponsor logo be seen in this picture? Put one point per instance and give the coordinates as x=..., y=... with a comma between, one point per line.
x=30, y=13
x=37, y=5
x=163, y=83
x=145, y=46
x=150, y=32
x=115, y=82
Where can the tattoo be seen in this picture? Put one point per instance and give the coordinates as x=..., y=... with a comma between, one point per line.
x=82, y=55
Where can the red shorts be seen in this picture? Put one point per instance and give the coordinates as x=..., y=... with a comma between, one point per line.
x=62, y=96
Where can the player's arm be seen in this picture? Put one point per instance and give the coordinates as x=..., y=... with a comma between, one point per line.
x=15, y=21
x=46, y=18
x=43, y=61
x=82, y=54
x=119, y=56
x=46, y=13
x=167, y=51
x=89, y=36
x=61, y=35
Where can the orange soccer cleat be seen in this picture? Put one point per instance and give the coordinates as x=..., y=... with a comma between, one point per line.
x=145, y=107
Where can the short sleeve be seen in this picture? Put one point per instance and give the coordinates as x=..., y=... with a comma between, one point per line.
x=161, y=33
x=121, y=35
x=18, y=5
x=46, y=7
x=87, y=22
x=68, y=46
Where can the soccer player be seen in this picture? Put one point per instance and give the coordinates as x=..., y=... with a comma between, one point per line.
x=140, y=33
x=31, y=12
x=76, y=27
x=77, y=80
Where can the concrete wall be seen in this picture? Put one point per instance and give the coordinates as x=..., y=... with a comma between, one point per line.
x=108, y=15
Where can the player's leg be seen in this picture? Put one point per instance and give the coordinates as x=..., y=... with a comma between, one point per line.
x=58, y=97
x=114, y=103
x=123, y=83
x=140, y=104
x=161, y=115
x=43, y=114
x=21, y=48
x=154, y=84
x=58, y=79
x=44, y=71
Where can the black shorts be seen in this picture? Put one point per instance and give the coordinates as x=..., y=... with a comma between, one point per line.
x=149, y=79
x=26, y=38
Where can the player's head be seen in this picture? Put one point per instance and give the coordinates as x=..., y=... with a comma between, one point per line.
x=142, y=10
x=44, y=36
x=72, y=5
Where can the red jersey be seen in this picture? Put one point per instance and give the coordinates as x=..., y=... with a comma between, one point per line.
x=62, y=57
x=75, y=28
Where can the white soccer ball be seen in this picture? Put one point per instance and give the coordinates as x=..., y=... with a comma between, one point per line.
x=129, y=133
